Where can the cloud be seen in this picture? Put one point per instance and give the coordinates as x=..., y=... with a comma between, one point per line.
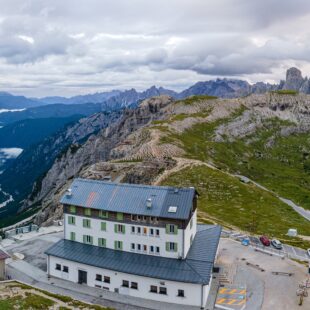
x=75, y=46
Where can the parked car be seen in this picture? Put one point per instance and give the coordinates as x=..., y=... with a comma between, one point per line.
x=245, y=241
x=264, y=240
x=308, y=252
x=276, y=244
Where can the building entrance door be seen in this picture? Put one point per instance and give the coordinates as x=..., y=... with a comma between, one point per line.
x=82, y=277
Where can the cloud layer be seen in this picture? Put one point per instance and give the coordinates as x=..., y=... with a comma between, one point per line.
x=78, y=46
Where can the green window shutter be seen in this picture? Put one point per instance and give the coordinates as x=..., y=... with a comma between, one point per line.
x=84, y=239
x=71, y=220
x=167, y=228
x=72, y=236
x=87, y=212
x=115, y=245
x=119, y=216
x=91, y=240
x=175, y=247
x=72, y=209
x=103, y=226
x=121, y=245
x=167, y=246
x=84, y=222
x=103, y=214
x=102, y=242
x=175, y=229
x=124, y=228
x=115, y=228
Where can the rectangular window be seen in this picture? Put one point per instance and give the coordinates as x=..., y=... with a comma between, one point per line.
x=181, y=293
x=133, y=217
x=103, y=214
x=106, y=279
x=157, y=232
x=65, y=269
x=152, y=232
x=152, y=249
x=102, y=242
x=144, y=248
x=172, y=229
x=157, y=250
x=171, y=246
x=58, y=267
x=118, y=245
x=138, y=217
x=71, y=220
x=72, y=209
x=144, y=218
x=125, y=283
x=98, y=277
x=119, y=216
x=72, y=236
x=119, y=228
x=153, y=289
x=139, y=247
x=134, y=285
x=133, y=246
x=139, y=230
x=144, y=231
x=87, y=239
x=162, y=290
x=86, y=223
x=103, y=226
x=133, y=229
x=87, y=212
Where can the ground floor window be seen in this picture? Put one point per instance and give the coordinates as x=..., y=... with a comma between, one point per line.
x=58, y=267
x=181, y=293
x=153, y=289
x=125, y=283
x=134, y=285
x=162, y=290
x=65, y=269
x=98, y=277
x=106, y=279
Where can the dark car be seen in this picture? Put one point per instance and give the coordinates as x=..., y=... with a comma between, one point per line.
x=276, y=244
x=264, y=240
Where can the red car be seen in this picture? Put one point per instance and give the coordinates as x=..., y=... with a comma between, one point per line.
x=264, y=240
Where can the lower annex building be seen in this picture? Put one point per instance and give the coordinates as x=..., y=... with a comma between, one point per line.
x=137, y=240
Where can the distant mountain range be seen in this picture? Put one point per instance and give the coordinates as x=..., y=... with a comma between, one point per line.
x=223, y=88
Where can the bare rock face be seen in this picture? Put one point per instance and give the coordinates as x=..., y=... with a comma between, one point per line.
x=294, y=79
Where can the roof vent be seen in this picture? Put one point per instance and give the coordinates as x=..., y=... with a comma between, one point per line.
x=172, y=209
x=176, y=190
x=69, y=193
x=149, y=203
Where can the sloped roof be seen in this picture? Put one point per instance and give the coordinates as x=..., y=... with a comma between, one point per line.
x=131, y=198
x=196, y=268
x=4, y=255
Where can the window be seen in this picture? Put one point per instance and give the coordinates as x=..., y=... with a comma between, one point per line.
x=144, y=218
x=119, y=228
x=133, y=217
x=119, y=216
x=153, y=289
x=133, y=229
x=103, y=226
x=171, y=246
x=98, y=277
x=72, y=209
x=139, y=247
x=58, y=267
x=65, y=269
x=138, y=217
x=151, y=219
x=162, y=290
x=181, y=293
x=139, y=230
x=152, y=249
x=125, y=283
x=86, y=223
x=118, y=245
x=171, y=229
x=71, y=220
x=157, y=250
x=133, y=246
x=157, y=232
x=106, y=279
x=87, y=212
x=87, y=239
x=134, y=285
x=152, y=232
x=72, y=236
x=102, y=242
x=144, y=230
x=103, y=214
x=144, y=248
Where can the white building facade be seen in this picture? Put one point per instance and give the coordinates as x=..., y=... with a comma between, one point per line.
x=136, y=240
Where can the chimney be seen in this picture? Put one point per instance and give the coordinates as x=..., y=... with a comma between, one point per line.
x=149, y=203
x=69, y=193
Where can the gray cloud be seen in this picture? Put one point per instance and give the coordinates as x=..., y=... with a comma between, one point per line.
x=78, y=46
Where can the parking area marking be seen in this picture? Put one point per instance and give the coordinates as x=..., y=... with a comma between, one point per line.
x=231, y=297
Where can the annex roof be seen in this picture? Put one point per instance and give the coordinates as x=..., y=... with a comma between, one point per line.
x=196, y=268
x=4, y=255
x=131, y=198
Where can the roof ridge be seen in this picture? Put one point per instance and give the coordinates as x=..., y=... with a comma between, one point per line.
x=194, y=270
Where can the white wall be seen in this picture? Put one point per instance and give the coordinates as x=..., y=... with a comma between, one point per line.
x=126, y=238
x=188, y=232
x=192, y=291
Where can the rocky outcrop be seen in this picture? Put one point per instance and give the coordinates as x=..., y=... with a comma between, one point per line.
x=295, y=81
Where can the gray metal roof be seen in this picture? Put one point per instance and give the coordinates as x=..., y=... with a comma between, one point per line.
x=196, y=268
x=131, y=198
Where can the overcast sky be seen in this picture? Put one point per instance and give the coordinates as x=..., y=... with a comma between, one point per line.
x=68, y=47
